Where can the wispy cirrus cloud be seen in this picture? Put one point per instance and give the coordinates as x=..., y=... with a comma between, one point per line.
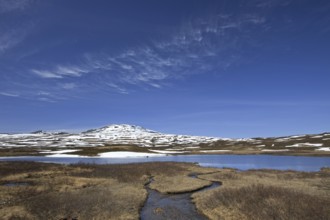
x=46, y=74
x=202, y=46
x=60, y=72
x=9, y=94
x=118, y=88
x=199, y=47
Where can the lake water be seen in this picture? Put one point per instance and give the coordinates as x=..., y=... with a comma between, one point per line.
x=241, y=162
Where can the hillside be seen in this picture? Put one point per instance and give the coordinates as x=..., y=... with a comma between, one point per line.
x=142, y=139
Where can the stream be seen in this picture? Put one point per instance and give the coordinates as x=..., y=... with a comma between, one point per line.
x=159, y=206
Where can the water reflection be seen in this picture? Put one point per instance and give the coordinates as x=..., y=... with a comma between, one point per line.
x=242, y=162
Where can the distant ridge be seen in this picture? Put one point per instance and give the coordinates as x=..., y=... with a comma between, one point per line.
x=133, y=135
x=111, y=134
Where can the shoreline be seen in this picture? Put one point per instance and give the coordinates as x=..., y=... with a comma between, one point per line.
x=108, y=152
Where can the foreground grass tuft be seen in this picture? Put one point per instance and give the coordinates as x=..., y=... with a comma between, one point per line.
x=268, y=202
x=267, y=194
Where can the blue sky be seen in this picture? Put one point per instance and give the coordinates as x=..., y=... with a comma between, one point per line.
x=229, y=68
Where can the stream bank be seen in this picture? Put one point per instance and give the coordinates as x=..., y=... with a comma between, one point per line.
x=159, y=206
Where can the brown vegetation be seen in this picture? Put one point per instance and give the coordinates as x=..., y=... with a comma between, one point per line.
x=31, y=190
x=266, y=194
x=94, y=151
x=19, y=151
x=177, y=184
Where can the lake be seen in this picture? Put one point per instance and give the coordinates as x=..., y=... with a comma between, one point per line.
x=241, y=162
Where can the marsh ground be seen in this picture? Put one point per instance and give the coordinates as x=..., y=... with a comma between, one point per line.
x=266, y=194
x=30, y=190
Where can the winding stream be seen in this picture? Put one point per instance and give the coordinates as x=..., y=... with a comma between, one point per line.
x=160, y=206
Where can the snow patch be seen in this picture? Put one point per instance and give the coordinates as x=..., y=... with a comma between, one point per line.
x=125, y=154
x=168, y=151
x=282, y=139
x=317, y=136
x=305, y=145
x=176, y=149
x=58, y=151
x=262, y=145
x=279, y=150
x=64, y=155
x=212, y=151
x=324, y=149
x=297, y=136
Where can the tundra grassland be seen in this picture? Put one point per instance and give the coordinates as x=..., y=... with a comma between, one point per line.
x=30, y=190
x=266, y=194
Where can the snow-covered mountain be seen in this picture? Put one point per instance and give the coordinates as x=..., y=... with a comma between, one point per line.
x=135, y=135
x=113, y=131
x=112, y=134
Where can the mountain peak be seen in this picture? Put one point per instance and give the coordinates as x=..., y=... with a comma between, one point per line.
x=123, y=126
x=137, y=135
x=121, y=129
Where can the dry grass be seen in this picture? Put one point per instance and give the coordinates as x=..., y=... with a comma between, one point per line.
x=87, y=191
x=15, y=212
x=83, y=191
x=59, y=191
x=177, y=184
x=94, y=151
x=247, y=147
x=266, y=194
x=266, y=202
x=107, y=200
x=19, y=151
